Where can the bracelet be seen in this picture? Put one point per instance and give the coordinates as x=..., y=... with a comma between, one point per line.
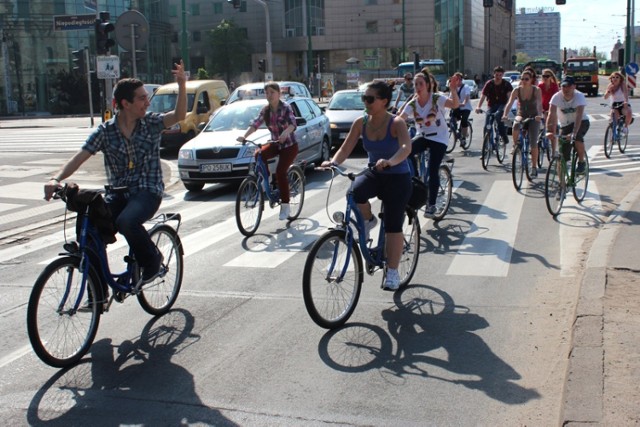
x=53, y=178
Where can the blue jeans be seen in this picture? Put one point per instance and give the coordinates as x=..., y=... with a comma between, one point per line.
x=130, y=212
x=499, y=111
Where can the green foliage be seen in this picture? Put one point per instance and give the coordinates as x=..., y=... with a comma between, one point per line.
x=202, y=74
x=71, y=94
x=522, y=57
x=229, y=50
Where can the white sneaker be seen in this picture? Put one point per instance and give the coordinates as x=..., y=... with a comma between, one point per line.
x=284, y=211
x=392, y=281
x=369, y=225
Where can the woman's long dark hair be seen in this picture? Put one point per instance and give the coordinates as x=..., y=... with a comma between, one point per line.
x=267, y=114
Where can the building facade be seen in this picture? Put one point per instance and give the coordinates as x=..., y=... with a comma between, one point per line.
x=538, y=33
x=372, y=36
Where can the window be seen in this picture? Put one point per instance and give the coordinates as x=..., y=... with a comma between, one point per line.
x=305, y=111
x=217, y=8
x=197, y=36
x=173, y=10
x=174, y=37
x=372, y=26
x=195, y=9
x=370, y=2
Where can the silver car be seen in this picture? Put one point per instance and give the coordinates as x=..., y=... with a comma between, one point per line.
x=216, y=156
x=256, y=91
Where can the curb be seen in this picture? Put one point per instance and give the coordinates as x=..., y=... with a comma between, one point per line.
x=584, y=386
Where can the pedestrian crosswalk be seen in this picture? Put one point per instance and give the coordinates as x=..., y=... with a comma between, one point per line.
x=43, y=140
x=485, y=251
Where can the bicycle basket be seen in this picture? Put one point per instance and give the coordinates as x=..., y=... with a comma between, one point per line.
x=419, y=193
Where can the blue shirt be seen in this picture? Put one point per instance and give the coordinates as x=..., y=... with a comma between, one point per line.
x=133, y=163
x=384, y=149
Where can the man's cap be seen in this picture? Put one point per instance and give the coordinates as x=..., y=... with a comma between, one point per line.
x=568, y=81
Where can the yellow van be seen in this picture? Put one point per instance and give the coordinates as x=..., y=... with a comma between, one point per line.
x=203, y=98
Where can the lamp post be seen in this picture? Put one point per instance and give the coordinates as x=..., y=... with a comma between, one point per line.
x=403, y=33
x=183, y=45
x=266, y=16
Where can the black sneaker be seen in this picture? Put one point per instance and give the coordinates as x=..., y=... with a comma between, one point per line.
x=581, y=168
x=152, y=271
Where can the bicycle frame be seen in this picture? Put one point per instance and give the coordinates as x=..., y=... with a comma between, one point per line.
x=260, y=169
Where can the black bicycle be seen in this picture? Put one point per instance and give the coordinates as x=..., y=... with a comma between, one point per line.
x=455, y=133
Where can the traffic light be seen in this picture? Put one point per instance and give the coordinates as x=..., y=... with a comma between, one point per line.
x=621, y=57
x=262, y=65
x=561, y=1
x=234, y=3
x=416, y=62
x=323, y=64
x=79, y=63
x=488, y=3
x=103, y=28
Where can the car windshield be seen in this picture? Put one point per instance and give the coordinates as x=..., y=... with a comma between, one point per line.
x=346, y=101
x=233, y=117
x=165, y=102
x=469, y=82
x=255, y=92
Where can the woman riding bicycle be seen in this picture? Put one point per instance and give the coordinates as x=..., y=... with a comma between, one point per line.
x=281, y=122
x=619, y=94
x=427, y=108
x=386, y=139
x=529, y=106
x=464, y=108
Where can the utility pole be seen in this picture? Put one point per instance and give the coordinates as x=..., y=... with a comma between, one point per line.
x=184, y=49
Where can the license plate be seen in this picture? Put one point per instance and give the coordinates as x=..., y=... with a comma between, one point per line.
x=343, y=135
x=215, y=167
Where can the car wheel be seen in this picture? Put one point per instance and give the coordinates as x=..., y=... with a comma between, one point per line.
x=325, y=150
x=193, y=186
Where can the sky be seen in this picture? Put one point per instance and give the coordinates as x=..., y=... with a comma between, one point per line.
x=588, y=23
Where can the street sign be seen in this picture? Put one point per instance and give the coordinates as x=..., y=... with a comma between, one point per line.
x=108, y=67
x=631, y=68
x=73, y=22
x=268, y=77
x=132, y=30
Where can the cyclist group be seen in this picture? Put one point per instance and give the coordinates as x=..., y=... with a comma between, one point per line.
x=130, y=142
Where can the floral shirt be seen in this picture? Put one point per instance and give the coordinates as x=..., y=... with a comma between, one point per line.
x=278, y=123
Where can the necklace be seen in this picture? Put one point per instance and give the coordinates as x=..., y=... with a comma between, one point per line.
x=377, y=128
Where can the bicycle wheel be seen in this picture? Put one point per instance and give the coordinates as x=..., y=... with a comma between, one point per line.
x=517, y=168
x=249, y=206
x=554, y=187
x=158, y=297
x=453, y=138
x=581, y=182
x=486, y=150
x=467, y=141
x=60, y=334
x=329, y=299
x=444, y=193
x=501, y=149
x=622, y=141
x=296, y=191
x=410, y=249
x=608, y=141
x=542, y=148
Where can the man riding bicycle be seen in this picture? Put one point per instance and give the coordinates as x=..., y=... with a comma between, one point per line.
x=496, y=91
x=567, y=106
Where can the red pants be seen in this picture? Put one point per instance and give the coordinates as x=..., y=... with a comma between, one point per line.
x=287, y=156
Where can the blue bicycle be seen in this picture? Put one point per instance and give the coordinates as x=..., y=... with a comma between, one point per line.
x=544, y=145
x=521, y=162
x=255, y=189
x=493, y=142
x=72, y=292
x=615, y=134
x=333, y=271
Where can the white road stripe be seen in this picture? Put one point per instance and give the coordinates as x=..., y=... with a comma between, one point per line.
x=491, y=235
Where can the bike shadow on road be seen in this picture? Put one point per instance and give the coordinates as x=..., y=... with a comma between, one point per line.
x=135, y=383
x=424, y=322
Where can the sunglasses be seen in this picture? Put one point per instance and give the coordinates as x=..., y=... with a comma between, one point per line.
x=369, y=99
x=546, y=76
x=526, y=80
x=614, y=78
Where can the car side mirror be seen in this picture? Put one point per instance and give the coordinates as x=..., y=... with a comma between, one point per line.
x=301, y=121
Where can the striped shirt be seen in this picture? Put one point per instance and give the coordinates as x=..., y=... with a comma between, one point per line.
x=133, y=163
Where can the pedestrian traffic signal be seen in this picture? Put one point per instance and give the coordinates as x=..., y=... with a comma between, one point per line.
x=79, y=63
x=103, y=28
x=235, y=3
x=262, y=65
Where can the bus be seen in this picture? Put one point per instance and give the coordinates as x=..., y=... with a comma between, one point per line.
x=608, y=67
x=542, y=63
x=436, y=67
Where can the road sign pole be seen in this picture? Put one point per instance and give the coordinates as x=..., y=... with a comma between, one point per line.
x=88, y=67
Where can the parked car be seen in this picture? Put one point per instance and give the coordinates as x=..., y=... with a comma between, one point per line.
x=216, y=156
x=511, y=75
x=473, y=87
x=256, y=91
x=151, y=88
x=343, y=108
x=203, y=98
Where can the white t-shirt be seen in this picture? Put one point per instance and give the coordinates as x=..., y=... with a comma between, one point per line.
x=463, y=93
x=434, y=128
x=567, y=109
x=618, y=96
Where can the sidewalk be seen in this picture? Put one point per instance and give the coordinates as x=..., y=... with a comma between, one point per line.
x=603, y=379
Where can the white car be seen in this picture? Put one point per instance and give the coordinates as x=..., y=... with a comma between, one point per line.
x=256, y=91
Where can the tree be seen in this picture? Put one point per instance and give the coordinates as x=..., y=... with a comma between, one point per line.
x=229, y=50
x=202, y=74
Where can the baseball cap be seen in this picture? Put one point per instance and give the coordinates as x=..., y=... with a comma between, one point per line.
x=568, y=81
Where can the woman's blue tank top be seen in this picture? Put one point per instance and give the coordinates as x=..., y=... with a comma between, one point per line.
x=384, y=149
